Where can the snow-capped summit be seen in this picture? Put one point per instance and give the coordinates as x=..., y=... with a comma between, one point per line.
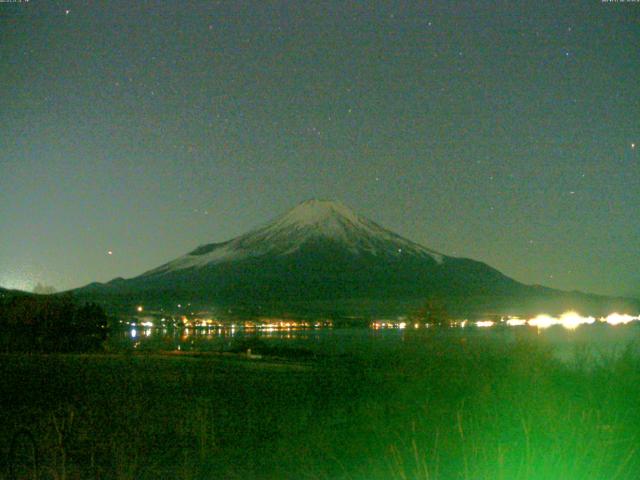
x=316, y=211
x=311, y=221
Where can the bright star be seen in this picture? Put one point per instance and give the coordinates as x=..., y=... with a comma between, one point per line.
x=67, y=12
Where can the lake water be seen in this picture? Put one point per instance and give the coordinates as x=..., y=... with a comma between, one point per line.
x=599, y=339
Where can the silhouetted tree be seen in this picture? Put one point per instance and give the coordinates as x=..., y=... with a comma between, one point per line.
x=50, y=324
x=434, y=312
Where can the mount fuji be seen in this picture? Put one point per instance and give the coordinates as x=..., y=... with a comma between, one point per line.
x=322, y=257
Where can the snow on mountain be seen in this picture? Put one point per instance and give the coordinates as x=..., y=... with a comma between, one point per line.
x=312, y=220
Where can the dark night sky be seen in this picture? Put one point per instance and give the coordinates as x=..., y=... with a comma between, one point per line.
x=508, y=132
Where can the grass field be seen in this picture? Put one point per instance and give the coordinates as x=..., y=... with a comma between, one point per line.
x=429, y=409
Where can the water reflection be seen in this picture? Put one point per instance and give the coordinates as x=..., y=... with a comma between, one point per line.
x=212, y=338
x=603, y=336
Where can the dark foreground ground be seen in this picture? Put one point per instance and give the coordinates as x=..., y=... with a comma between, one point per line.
x=431, y=409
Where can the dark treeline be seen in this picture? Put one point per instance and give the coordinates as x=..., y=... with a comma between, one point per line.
x=47, y=323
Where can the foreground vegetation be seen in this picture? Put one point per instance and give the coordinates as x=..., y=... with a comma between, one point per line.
x=431, y=409
x=50, y=323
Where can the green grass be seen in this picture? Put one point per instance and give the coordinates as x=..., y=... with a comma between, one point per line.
x=431, y=408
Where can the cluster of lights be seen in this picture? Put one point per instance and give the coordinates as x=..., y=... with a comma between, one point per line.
x=377, y=325
x=572, y=320
x=268, y=324
x=617, y=319
x=569, y=320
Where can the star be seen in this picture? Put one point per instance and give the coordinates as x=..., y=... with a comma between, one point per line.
x=110, y=252
x=633, y=146
x=67, y=12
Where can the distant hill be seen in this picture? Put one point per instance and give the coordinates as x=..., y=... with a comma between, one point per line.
x=6, y=293
x=323, y=258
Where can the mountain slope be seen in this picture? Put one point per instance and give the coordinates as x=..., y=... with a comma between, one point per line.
x=323, y=254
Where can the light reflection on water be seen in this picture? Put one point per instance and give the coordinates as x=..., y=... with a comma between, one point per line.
x=602, y=339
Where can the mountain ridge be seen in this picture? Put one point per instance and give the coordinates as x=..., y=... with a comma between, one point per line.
x=321, y=251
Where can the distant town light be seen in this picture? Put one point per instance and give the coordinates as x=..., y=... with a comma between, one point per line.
x=543, y=321
x=484, y=323
x=572, y=320
x=516, y=322
x=617, y=319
